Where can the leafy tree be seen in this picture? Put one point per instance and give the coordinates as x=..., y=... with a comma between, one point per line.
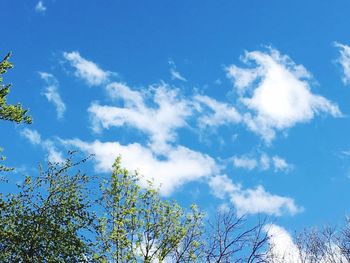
x=138, y=226
x=9, y=112
x=46, y=220
x=50, y=220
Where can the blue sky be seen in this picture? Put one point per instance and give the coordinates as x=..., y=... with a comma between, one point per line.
x=223, y=103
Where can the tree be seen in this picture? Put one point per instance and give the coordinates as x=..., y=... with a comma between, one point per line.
x=327, y=244
x=50, y=219
x=231, y=240
x=9, y=112
x=318, y=245
x=47, y=219
x=138, y=226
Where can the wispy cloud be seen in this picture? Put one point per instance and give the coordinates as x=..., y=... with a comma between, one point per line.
x=252, y=200
x=159, y=122
x=213, y=113
x=40, y=7
x=245, y=162
x=281, y=164
x=34, y=137
x=174, y=73
x=264, y=162
x=344, y=61
x=276, y=93
x=51, y=93
x=87, y=70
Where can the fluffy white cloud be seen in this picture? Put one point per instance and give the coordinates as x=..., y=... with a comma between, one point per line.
x=344, y=61
x=255, y=201
x=159, y=122
x=276, y=93
x=87, y=70
x=40, y=7
x=214, y=113
x=282, y=245
x=51, y=93
x=252, y=201
x=34, y=137
x=179, y=166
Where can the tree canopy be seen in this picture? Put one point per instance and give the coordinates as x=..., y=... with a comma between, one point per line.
x=54, y=217
x=10, y=112
x=44, y=221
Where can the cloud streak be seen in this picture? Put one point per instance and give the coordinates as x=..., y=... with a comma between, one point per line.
x=34, y=137
x=51, y=93
x=344, y=61
x=87, y=70
x=213, y=113
x=263, y=163
x=174, y=73
x=159, y=122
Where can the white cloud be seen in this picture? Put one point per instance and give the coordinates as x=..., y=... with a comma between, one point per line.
x=252, y=201
x=255, y=201
x=263, y=163
x=54, y=155
x=51, y=93
x=34, y=137
x=222, y=185
x=159, y=122
x=281, y=164
x=284, y=249
x=174, y=73
x=344, y=61
x=244, y=162
x=40, y=7
x=243, y=77
x=87, y=70
x=219, y=113
x=179, y=166
x=282, y=245
x=276, y=93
